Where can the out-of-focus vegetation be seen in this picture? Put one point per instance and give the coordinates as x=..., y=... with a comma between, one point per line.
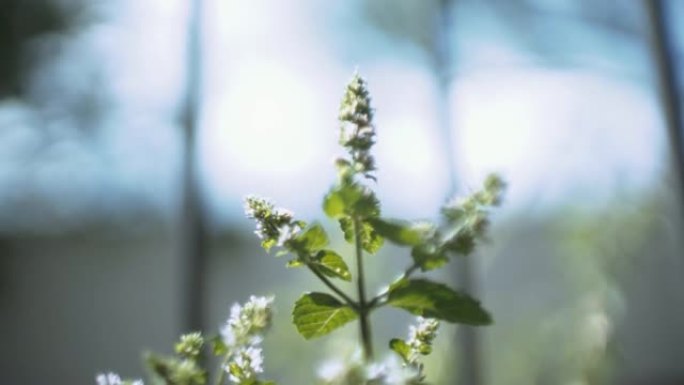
x=562, y=98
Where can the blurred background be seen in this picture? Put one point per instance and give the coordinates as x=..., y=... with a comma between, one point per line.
x=131, y=130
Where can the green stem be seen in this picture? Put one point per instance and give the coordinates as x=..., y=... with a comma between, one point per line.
x=363, y=309
x=222, y=370
x=377, y=300
x=334, y=288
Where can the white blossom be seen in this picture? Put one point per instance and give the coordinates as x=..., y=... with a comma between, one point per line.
x=394, y=373
x=274, y=226
x=114, y=379
x=108, y=379
x=247, y=323
x=246, y=364
x=421, y=336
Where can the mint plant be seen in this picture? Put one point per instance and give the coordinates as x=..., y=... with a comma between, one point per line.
x=352, y=203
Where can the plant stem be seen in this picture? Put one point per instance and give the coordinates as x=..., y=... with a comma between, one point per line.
x=363, y=309
x=376, y=301
x=334, y=288
x=222, y=370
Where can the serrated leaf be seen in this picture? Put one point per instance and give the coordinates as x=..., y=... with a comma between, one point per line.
x=351, y=199
x=314, y=238
x=400, y=347
x=332, y=264
x=367, y=206
x=333, y=205
x=310, y=240
x=317, y=314
x=371, y=241
x=435, y=300
x=398, y=231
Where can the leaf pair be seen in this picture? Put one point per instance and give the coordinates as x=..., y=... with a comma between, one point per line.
x=317, y=314
x=351, y=200
x=309, y=248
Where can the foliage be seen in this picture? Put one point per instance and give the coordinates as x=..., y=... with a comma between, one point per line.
x=353, y=204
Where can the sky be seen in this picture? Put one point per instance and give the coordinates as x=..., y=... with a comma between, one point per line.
x=273, y=74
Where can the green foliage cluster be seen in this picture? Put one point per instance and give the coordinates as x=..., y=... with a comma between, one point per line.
x=185, y=367
x=352, y=203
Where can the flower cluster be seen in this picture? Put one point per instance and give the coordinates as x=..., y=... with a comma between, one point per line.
x=392, y=372
x=242, y=334
x=419, y=343
x=247, y=323
x=355, y=371
x=357, y=133
x=421, y=337
x=246, y=364
x=275, y=226
x=114, y=379
x=468, y=216
x=190, y=345
x=185, y=367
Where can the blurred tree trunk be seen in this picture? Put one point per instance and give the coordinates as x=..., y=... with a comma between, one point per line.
x=668, y=86
x=193, y=223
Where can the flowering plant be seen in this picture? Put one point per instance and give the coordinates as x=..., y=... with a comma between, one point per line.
x=354, y=205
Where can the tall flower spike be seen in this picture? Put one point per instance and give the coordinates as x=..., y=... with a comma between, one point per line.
x=357, y=132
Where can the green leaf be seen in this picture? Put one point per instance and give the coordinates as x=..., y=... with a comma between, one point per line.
x=367, y=206
x=310, y=241
x=218, y=347
x=401, y=348
x=314, y=238
x=331, y=264
x=317, y=314
x=400, y=232
x=267, y=244
x=351, y=199
x=347, y=226
x=294, y=263
x=429, y=257
x=435, y=300
x=371, y=241
x=425, y=349
x=333, y=205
